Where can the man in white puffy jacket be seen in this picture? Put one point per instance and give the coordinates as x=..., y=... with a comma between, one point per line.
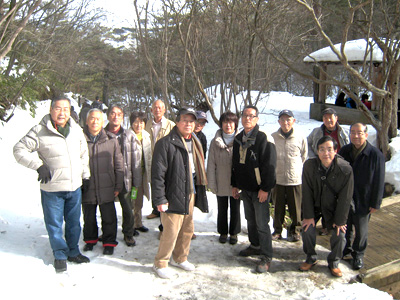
x=291, y=149
x=57, y=150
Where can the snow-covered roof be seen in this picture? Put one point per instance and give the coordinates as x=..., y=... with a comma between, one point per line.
x=355, y=51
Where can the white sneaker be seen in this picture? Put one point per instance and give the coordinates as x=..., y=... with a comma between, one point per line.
x=165, y=273
x=187, y=266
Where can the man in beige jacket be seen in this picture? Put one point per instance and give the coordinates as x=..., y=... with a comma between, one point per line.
x=291, y=149
x=158, y=128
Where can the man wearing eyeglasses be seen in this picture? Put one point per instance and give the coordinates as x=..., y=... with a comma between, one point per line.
x=253, y=172
x=178, y=181
x=327, y=188
x=368, y=165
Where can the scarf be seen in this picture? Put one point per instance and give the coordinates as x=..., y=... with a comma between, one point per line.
x=198, y=161
x=228, y=138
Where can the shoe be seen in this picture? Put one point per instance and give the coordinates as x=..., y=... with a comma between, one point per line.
x=358, y=263
x=142, y=229
x=336, y=272
x=194, y=236
x=233, y=239
x=249, y=251
x=136, y=233
x=276, y=236
x=60, y=265
x=223, y=238
x=165, y=273
x=306, y=266
x=293, y=238
x=323, y=231
x=130, y=242
x=263, y=266
x=79, y=259
x=108, y=250
x=88, y=247
x=152, y=216
x=187, y=266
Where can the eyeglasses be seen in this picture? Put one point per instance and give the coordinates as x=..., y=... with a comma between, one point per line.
x=251, y=117
x=202, y=123
x=323, y=150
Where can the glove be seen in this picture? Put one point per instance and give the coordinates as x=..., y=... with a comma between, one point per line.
x=85, y=185
x=44, y=174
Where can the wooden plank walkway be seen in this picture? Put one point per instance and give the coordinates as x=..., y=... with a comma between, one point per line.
x=383, y=235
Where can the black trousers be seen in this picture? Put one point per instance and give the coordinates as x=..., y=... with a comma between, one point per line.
x=337, y=245
x=127, y=213
x=222, y=220
x=358, y=224
x=108, y=223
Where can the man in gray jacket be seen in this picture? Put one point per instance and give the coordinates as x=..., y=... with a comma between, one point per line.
x=57, y=150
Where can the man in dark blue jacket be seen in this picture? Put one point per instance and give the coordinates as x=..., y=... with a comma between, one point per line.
x=368, y=165
x=253, y=172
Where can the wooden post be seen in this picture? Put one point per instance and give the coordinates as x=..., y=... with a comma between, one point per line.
x=322, y=86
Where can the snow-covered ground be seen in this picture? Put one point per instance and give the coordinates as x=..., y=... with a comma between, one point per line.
x=26, y=258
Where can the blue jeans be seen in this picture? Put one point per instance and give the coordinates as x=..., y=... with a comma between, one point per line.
x=57, y=207
x=257, y=216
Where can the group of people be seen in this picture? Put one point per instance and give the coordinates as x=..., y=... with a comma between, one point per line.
x=349, y=102
x=92, y=167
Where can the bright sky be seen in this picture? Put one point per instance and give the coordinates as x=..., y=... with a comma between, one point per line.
x=122, y=12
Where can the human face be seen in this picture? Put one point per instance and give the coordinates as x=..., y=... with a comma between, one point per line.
x=286, y=122
x=138, y=126
x=249, y=119
x=199, y=125
x=115, y=117
x=228, y=127
x=330, y=121
x=186, y=125
x=158, y=110
x=60, y=112
x=358, y=136
x=326, y=153
x=95, y=122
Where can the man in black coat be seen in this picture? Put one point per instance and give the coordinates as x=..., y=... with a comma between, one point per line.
x=253, y=172
x=178, y=181
x=368, y=165
x=327, y=187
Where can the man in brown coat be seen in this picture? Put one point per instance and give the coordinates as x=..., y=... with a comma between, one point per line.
x=106, y=166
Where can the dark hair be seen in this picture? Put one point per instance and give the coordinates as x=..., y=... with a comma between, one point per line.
x=111, y=108
x=229, y=117
x=138, y=115
x=252, y=107
x=362, y=124
x=327, y=138
x=364, y=97
x=59, y=98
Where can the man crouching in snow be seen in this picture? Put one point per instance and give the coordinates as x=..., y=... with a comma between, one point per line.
x=327, y=190
x=178, y=180
x=62, y=161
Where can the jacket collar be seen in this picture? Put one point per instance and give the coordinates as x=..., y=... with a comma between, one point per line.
x=251, y=140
